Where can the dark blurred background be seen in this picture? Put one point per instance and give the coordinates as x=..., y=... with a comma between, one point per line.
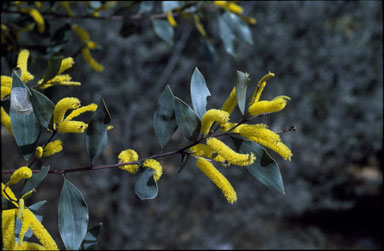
x=327, y=56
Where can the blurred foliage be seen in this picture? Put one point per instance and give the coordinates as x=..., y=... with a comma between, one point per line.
x=327, y=57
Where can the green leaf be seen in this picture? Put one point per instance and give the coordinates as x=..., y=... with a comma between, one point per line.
x=145, y=7
x=169, y=5
x=42, y=107
x=54, y=64
x=36, y=206
x=91, y=238
x=163, y=30
x=242, y=82
x=226, y=34
x=199, y=93
x=59, y=40
x=26, y=127
x=164, y=119
x=187, y=120
x=264, y=169
x=35, y=180
x=96, y=137
x=146, y=186
x=240, y=28
x=73, y=216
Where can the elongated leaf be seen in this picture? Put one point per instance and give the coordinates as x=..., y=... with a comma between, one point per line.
x=91, y=238
x=184, y=160
x=96, y=137
x=146, y=186
x=164, y=119
x=145, y=7
x=169, y=5
x=35, y=180
x=54, y=64
x=26, y=127
x=264, y=169
x=240, y=28
x=199, y=93
x=42, y=107
x=187, y=120
x=226, y=34
x=163, y=30
x=73, y=216
x=36, y=206
x=242, y=82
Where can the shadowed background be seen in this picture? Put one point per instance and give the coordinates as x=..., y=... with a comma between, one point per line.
x=327, y=56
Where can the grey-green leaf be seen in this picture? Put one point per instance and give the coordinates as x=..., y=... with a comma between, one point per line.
x=169, y=5
x=163, y=30
x=42, y=107
x=146, y=186
x=199, y=93
x=242, y=82
x=164, y=118
x=226, y=34
x=35, y=180
x=53, y=69
x=145, y=7
x=264, y=169
x=91, y=238
x=187, y=120
x=26, y=127
x=240, y=28
x=96, y=137
x=73, y=216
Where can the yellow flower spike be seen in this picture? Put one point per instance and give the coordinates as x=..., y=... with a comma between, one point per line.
x=199, y=25
x=23, y=172
x=5, y=91
x=171, y=19
x=229, y=155
x=21, y=209
x=249, y=20
x=260, y=87
x=275, y=105
x=276, y=146
x=92, y=45
x=81, y=33
x=91, y=107
x=26, y=245
x=128, y=156
x=8, y=194
x=231, y=102
x=62, y=107
x=202, y=150
x=110, y=127
x=6, y=81
x=259, y=131
x=71, y=127
x=39, y=20
x=154, y=164
x=232, y=7
x=6, y=120
x=38, y=4
x=212, y=115
x=40, y=232
x=8, y=228
x=22, y=62
x=218, y=179
x=90, y=60
x=53, y=148
x=39, y=152
x=229, y=125
x=65, y=5
x=66, y=63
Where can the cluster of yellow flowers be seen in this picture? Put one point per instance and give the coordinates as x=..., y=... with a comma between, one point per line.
x=130, y=155
x=28, y=219
x=87, y=45
x=217, y=151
